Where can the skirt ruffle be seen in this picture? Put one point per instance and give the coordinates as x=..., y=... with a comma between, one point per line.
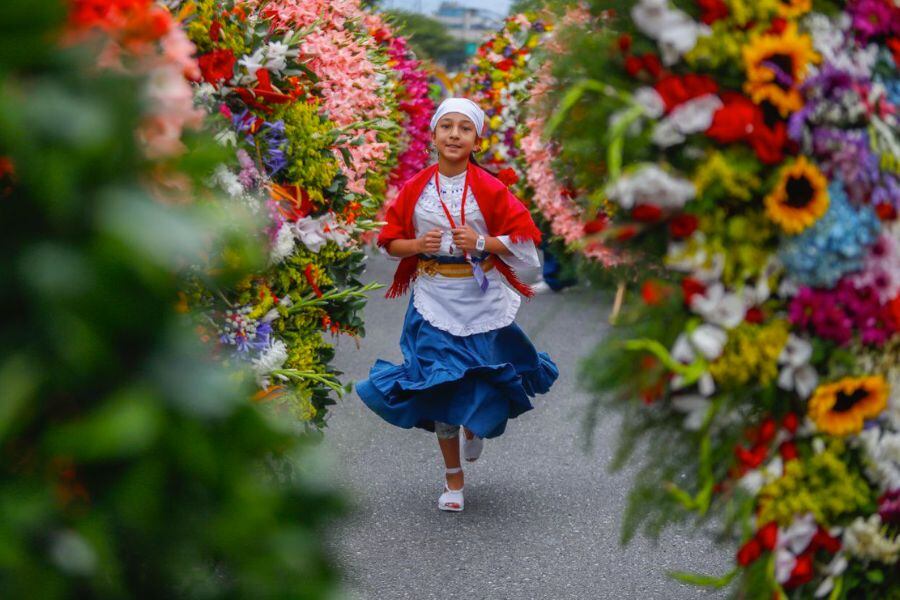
x=478, y=381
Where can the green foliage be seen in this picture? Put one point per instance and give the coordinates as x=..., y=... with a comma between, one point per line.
x=428, y=37
x=133, y=466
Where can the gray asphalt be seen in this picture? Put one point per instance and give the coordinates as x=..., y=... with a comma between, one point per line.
x=542, y=516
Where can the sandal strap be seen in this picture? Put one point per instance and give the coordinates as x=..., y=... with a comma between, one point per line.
x=453, y=470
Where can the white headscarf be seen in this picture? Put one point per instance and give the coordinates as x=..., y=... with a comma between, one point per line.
x=463, y=106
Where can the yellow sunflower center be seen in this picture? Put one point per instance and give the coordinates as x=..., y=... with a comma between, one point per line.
x=845, y=402
x=799, y=191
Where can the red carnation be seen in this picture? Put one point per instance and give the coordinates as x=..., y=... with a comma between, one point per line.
x=675, y=89
x=751, y=458
x=788, y=451
x=734, y=121
x=790, y=422
x=779, y=24
x=506, y=64
x=767, y=430
x=690, y=287
x=508, y=176
x=886, y=211
x=215, y=30
x=749, y=552
x=217, y=65
x=825, y=541
x=646, y=213
x=683, y=226
x=802, y=573
x=712, y=10
x=768, y=535
x=652, y=64
x=754, y=315
x=633, y=65
x=769, y=142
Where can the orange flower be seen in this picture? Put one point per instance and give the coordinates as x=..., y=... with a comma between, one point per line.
x=840, y=408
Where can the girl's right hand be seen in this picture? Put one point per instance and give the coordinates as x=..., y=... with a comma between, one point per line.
x=430, y=243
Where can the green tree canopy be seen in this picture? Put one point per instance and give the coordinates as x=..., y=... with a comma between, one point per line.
x=429, y=38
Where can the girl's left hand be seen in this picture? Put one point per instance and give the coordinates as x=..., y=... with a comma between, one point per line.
x=464, y=238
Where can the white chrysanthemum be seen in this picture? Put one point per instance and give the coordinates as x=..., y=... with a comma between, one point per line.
x=673, y=29
x=283, y=245
x=864, y=539
x=838, y=50
x=882, y=457
x=693, y=116
x=651, y=185
x=269, y=360
x=719, y=307
x=650, y=100
x=228, y=181
x=796, y=372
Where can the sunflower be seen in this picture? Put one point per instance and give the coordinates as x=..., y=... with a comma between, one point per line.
x=776, y=65
x=791, y=9
x=840, y=408
x=800, y=197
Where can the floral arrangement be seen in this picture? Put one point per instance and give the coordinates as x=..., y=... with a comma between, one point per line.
x=747, y=154
x=305, y=99
x=415, y=104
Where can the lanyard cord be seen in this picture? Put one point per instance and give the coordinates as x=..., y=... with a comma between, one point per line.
x=462, y=210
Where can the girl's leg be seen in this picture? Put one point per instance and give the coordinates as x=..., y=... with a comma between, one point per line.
x=448, y=440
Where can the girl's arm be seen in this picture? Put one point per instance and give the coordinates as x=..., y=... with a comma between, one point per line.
x=465, y=238
x=429, y=243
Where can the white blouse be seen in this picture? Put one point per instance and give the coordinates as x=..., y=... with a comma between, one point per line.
x=457, y=304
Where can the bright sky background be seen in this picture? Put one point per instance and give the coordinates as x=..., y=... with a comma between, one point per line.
x=429, y=7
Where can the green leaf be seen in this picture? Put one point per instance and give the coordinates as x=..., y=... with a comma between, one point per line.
x=704, y=580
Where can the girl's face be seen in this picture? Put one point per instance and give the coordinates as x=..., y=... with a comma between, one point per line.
x=455, y=137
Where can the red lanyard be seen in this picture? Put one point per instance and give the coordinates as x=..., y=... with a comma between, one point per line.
x=462, y=210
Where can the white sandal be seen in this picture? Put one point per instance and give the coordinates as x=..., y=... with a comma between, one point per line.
x=452, y=500
x=471, y=448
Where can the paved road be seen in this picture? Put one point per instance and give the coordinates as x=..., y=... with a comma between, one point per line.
x=542, y=516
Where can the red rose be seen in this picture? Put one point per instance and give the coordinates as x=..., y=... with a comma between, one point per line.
x=508, y=176
x=886, y=211
x=712, y=10
x=767, y=535
x=633, y=65
x=683, y=226
x=802, y=573
x=788, y=451
x=690, y=287
x=790, y=422
x=734, y=121
x=749, y=552
x=646, y=213
x=217, y=65
x=624, y=42
x=754, y=315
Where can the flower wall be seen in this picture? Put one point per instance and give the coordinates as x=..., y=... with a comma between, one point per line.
x=310, y=99
x=747, y=154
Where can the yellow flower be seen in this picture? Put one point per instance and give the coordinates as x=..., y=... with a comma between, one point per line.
x=776, y=65
x=790, y=9
x=800, y=198
x=840, y=408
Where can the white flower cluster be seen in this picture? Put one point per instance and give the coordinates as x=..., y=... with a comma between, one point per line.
x=864, y=539
x=674, y=30
x=269, y=360
x=649, y=184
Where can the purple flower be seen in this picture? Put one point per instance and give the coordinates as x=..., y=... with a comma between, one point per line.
x=889, y=506
x=803, y=306
x=832, y=323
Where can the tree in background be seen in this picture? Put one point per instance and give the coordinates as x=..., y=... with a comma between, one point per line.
x=429, y=38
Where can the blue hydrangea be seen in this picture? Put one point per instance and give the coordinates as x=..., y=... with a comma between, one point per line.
x=834, y=246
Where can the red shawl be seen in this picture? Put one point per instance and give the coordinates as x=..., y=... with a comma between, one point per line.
x=503, y=213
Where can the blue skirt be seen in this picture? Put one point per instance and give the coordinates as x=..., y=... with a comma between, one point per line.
x=478, y=381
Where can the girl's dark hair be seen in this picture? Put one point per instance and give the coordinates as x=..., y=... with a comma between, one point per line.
x=473, y=160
